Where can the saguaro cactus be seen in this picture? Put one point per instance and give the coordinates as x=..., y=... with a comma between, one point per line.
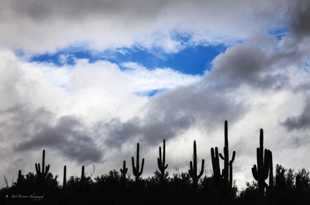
x=216, y=164
x=42, y=170
x=123, y=170
x=64, y=181
x=193, y=170
x=264, y=166
x=227, y=172
x=83, y=174
x=161, y=160
x=136, y=170
x=20, y=177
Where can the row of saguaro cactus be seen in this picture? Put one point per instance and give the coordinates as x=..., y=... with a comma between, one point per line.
x=264, y=167
x=226, y=174
x=82, y=179
x=261, y=172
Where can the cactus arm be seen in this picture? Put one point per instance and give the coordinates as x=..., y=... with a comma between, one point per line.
x=46, y=170
x=270, y=171
x=159, y=159
x=190, y=171
x=133, y=165
x=254, y=172
x=233, y=157
x=159, y=164
x=38, y=169
x=142, y=166
x=266, y=164
x=202, y=168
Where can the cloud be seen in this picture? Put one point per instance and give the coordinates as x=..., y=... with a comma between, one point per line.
x=69, y=136
x=299, y=18
x=300, y=121
x=111, y=24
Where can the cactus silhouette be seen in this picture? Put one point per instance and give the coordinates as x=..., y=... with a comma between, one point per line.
x=136, y=170
x=42, y=170
x=123, y=171
x=19, y=177
x=83, y=174
x=264, y=166
x=64, y=181
x=193, y=170
x=161, y=160
x=227, y=172
x=216, y=164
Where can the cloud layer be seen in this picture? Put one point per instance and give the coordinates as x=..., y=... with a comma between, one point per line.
x=110, y=24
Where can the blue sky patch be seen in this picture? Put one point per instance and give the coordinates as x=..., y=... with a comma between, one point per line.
x=278, y=32
x=150, y=93
x=193, y=59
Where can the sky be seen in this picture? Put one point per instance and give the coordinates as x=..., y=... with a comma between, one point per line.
x=88, y=80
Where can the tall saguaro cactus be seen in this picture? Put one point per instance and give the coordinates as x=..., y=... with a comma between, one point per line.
x=136, y=170
x=161, y=160
x=193, y=170
x=227, y=172
x=263, y=169
x=42, y=170
x=83, y=174
x=64, y=181
x=123, y=170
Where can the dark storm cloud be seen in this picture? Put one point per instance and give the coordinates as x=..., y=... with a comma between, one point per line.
x=61, y=23
x=299, y=15
x=44, y=9
x=72, y=9
x=36, y=129
x=246, y=65
x=68, y=136
x=150, y=129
